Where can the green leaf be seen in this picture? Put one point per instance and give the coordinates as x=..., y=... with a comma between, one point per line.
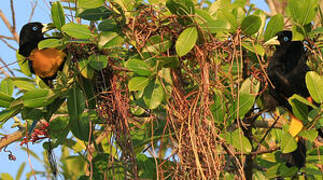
x=300, y=109
x=314, y=83
x=247, y=95
x=309, y=134
x=110, y=39
x=50, y=43
x=75, y=104
x=157, y=45
x=209, y=24
x=20, y=170
x=9, y=113
x=250, y=24
x=302, y=11
x=257, y=49
x=89, y=4
x=58, y=15
x=98, y=62
x=285, y=171
x=81, y=128
x=24, y=83
x=108, y=25
x=218, y=108
x=181, y=7
x=7, y=86
x=186, y=41
x=35, y=98
x=5, y=100
x=288, y=143
x=298, y=33
x=139, y=67
x=77, y=31
x=58, y=127
x=85, y=69
x=95, y=14
x=23, y=64
x=238, y=140
x=138, y=83
x=275, y=24
x=153, y=94
x=6, y=176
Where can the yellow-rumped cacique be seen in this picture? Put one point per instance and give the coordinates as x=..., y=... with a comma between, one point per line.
x=43, y=62
x=286, y=70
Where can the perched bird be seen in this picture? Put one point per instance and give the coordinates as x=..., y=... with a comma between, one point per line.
x=286, y=71
x=43, y=62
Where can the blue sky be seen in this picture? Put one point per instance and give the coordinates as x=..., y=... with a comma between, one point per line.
x=42, y=14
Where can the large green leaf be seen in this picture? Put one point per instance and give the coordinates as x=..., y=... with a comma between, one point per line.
x=250, y=24
x=108, y=25
x=247, y=95
x=36, y=98
x=138, y=83
x=139, y=67
x=7, y=86
x=9, y=113
x=314, y=83
x=209, y=24
x=299, y=108
x=108, y=39
x=75, y=104
x=257, y=48
x=181, y=7
x=238, y=140
x=157, y=45
x=58, y=14
x=153, y=94
x=275, y=24
x=310, y=134
x=288, y=143
x=85, y=69
x=98, y=62
x=218, y=108
x=23, y=64
x=24, y=83
x=50, y=43
x=77, y=31
x=186, y=41
x=89, y=4
x=81, y=128
x=5, y=100
x=95, y=14
x=302, y=11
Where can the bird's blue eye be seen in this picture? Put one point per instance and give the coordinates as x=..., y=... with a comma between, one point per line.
x=34, y=28
x=286, y=38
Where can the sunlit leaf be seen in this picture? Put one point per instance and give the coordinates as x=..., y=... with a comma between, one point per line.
x=50, y=43
x=251, y=24
x=77, y=31
x=58, y=14
x=138, y=83
x=314, y=83
x=275, y=24
x=186, y=41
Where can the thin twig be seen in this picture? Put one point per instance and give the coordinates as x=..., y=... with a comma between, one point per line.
x=6, y=66
x=33, y=7
x=7, y=23
x=11, y=47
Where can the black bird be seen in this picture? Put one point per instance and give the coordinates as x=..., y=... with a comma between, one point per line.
x=286, y=71
x=45, y=62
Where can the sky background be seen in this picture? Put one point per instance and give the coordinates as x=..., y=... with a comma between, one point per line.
x=41, y=14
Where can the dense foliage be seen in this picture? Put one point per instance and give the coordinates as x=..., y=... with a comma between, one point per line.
x=171, y=89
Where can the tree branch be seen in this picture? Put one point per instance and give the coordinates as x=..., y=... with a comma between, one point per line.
x=7, y=23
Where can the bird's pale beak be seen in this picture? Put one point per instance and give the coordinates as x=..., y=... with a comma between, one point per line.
x=272, y=41
x=47, y=27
